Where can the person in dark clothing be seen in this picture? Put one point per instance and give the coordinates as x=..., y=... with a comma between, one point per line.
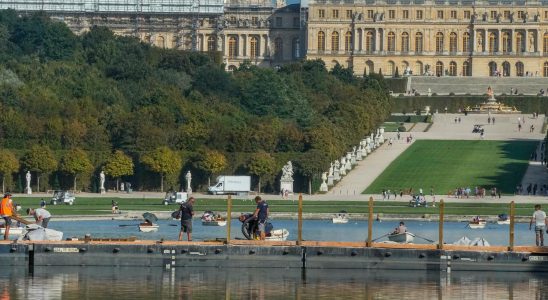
x=187, y=211
x=261, y=213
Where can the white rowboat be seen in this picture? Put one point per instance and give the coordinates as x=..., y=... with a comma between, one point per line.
x=477, y=224
x=503, y=222
x=214, y=223
x=406, y=237
x=278, y=235
x=146, y=227
x=340, y=220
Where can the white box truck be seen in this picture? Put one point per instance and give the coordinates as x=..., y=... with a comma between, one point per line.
x=231, y=185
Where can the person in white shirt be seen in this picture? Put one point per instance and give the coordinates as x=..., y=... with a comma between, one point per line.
x=539, y=218
x=41, y=216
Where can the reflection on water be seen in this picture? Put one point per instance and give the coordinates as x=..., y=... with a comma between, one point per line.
x=316, y=230
x=193, y=283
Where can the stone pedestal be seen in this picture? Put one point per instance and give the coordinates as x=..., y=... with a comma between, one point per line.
x=359, y=154
x=287, y=185
x=330, y=180
x=102, y=191
x=353, y=159
x=28, y=191
x=336, y=175
x=342, y=170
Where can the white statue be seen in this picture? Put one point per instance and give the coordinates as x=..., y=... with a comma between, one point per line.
x=331, y=170
x=336, y=170
x=188, y=178
x=122, y=186
x=28, y=189
x=323, y=186
x=429, y=92
x=287, y=171
x=102, y=182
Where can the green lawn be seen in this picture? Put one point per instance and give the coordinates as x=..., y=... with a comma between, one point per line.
x=101, y=206
x=445, y=165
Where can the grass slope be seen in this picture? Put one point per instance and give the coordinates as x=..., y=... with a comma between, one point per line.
x=445, y=165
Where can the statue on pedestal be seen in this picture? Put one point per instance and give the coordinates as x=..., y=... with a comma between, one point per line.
x=286, y=182
x=336, y=171
x=188, y=178
x=102, y=182
x=28, y=190
x=323, y=186
x=342, y=170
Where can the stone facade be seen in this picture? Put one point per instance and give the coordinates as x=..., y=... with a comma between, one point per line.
x=424, y=37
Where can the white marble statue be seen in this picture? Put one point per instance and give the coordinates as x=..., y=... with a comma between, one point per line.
x=102, y=182
x=331, y=170
x=188, y=178
x=287, y=171
x=122, y=186
x=28, y=190
x=342, y=170
x=323, y=186
x=336, y=170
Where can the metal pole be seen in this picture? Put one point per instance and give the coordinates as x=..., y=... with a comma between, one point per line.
x=228, y=218
x=300, y=230
x=512, y=224
x=440, y=237
x=370, y=223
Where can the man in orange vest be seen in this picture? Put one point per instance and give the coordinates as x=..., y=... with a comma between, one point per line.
x=6, y=211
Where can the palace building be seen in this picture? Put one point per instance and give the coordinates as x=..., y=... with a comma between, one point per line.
x=507, y=38
x=425, y=37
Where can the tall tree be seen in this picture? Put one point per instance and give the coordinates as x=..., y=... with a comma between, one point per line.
x=211, y=162
x=41, y=160
x=8, y=165
x=119, y=164
x=262, y=164
x=163, y=161
x=312, y=163
x=76, y=162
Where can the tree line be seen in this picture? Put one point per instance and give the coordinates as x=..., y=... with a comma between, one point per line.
x=75, y=105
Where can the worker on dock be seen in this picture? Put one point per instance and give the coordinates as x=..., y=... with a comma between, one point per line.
x=261, y=214
x=41, y=216
x=187, y=211
x=6, y=212
x=539, y=217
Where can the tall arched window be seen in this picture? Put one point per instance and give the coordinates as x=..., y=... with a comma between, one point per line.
x=546, y=69
x=439, y=42
x=506, y=69
x=519, y=42
x=232, y=47
x=466, y=42
x=492, y=68
x=369, y=42
x=211, y=43
x=492, y=43
x=466, y=68
x=160, y=42
x=439, y=68
x=506, y=43
x=391, y=42
x=545, y=44
x=321, y=41
x=419, y=68
x=335, y=41
x=418, y=42
x=391, y=68
x=519, y=69
x=278, y=48
x=452, y=68
x=405, y=42
x=453, y=42
x=254, y=47
x=348, y=41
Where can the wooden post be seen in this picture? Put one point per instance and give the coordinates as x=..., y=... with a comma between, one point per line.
x=370, y=223
x=300, y=228
x=228, y=218
x=512, y=224
x=440, y=234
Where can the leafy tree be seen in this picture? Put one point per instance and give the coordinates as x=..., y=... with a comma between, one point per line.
x=311, y=163
x=211, y=162
x=76, y=162
x=262, y=164
x=163, y=161
x=41, y=160
x=118, y=165
x=8, y=165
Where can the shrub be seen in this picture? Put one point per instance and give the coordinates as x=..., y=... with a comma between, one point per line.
x=402, y=129
x=451, y=94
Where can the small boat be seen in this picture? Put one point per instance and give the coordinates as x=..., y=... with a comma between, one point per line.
x=278, y=235
x=209, y=218
x=477, y=223
x=148, y=227
x=13, y=230
x=340, y=218
x=503, y=219
x=406, y=237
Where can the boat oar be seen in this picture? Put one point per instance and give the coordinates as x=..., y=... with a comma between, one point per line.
x=380, y=237
x=173, y=224
x=421, y=237
x=125, y=225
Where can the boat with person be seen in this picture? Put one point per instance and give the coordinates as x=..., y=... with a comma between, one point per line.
x=503, y=219
x=209, y=218
x=340, y=218
x=404, y=237
x=250, y=226
x=148, y=225
x=477, y=223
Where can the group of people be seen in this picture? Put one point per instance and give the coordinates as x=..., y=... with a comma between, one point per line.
x=478, y=192
x=8, y=212
x=531, y=189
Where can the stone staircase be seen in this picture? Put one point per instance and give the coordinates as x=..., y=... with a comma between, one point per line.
x=477, y=85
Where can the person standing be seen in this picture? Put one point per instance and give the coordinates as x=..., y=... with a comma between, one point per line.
x=41, y=216
x=6, y=212
x=539, y=218
x=261, y=214
x=187, y=212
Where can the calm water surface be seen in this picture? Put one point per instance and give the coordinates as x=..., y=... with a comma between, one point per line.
x=319, y=230
x=190, y=283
